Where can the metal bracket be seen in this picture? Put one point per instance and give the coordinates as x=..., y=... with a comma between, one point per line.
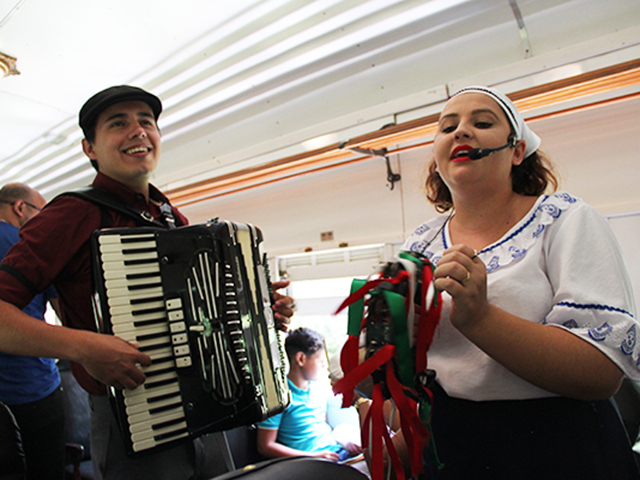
x=392, y=177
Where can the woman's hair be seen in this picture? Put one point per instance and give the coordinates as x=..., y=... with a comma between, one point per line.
x=532, y=178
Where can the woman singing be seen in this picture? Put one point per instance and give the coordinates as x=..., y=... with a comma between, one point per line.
x=538, y=326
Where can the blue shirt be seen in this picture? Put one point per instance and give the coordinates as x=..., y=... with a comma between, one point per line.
x=26, y=379
x=303, y=424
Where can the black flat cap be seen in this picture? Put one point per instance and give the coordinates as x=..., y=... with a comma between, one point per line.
x=112, y=95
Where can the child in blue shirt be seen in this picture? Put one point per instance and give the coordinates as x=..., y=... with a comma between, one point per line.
x=302, y=429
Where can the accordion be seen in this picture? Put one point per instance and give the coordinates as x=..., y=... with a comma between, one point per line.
x=197, y=300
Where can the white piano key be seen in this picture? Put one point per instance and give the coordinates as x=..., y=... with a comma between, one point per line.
x=125, y=321
x=151, y=443
x=160, y=377
x=134, y=335
x=142, y=396
x=121, y=271
x=148, y=345
x=142, y=422
x=108, y=258
x=123, y=309
x=159, y=365
x=131, y=282
x=152, y=434
x=117, y=238
x=122, y=296
x=119, y=247
x=160, y=353
x=145, y=407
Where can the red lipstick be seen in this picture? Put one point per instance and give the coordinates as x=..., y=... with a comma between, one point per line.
x=459, y=153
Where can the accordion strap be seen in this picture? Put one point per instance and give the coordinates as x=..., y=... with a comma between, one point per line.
x=105, y=198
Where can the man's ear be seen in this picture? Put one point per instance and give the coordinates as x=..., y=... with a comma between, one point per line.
x=88, y=150
x=18, y=207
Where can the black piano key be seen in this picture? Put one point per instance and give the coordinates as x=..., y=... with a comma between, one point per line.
x=175, y=433
x=171, y=406
x=150, y=348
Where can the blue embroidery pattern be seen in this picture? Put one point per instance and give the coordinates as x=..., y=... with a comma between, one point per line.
x=543, y=208
x=570, y=324
x=538, y=231
x=517, y=232
x=593, y=306
x=566, y=197
x=600, y=333
x=629, y=343
x=419, y=247
x=422, y=229
x=550, y=209
x=493, y=264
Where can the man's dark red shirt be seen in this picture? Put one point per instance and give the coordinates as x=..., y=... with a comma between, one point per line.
x=55, y=249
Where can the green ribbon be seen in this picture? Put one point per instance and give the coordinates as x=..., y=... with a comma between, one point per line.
x=356, y=309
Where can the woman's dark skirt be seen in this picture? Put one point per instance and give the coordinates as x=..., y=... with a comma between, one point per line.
x=542, y=439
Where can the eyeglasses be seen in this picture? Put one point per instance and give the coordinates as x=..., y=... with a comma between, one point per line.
x=23, y=201
x=32, y=206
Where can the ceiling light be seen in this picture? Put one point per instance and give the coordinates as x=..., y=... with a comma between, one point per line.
x=8, y=65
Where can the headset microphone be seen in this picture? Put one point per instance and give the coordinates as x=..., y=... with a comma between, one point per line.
x=478, y=153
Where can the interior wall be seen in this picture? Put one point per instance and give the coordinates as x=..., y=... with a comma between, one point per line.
x=627, y=230
x=595, y=151
x=353, y=202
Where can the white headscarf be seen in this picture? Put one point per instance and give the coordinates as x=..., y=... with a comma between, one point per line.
x=522, y=130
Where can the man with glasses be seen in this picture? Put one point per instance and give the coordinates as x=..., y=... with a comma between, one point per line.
x=30, y=386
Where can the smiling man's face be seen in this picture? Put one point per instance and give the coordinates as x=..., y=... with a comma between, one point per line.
x=126, y=144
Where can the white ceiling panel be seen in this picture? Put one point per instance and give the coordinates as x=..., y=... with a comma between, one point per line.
x=247, y=78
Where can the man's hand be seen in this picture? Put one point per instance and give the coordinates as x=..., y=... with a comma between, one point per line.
x=283, y=306
x=114, y=361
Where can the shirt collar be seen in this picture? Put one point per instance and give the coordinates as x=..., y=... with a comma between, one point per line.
x=296, y=389
x=124, y=192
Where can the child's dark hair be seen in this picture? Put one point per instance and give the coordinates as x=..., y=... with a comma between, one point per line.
x=303, y=340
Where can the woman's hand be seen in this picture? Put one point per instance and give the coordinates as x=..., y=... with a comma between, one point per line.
x=463, y=275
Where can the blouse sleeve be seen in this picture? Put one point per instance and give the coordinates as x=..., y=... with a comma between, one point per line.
x=593, y=297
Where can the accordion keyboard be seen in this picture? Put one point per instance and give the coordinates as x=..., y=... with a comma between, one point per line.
x=197, y=300
x=138, y=314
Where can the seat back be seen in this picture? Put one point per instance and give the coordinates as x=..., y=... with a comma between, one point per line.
x=295, y=468
x=243, y=445
x=76, y=409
